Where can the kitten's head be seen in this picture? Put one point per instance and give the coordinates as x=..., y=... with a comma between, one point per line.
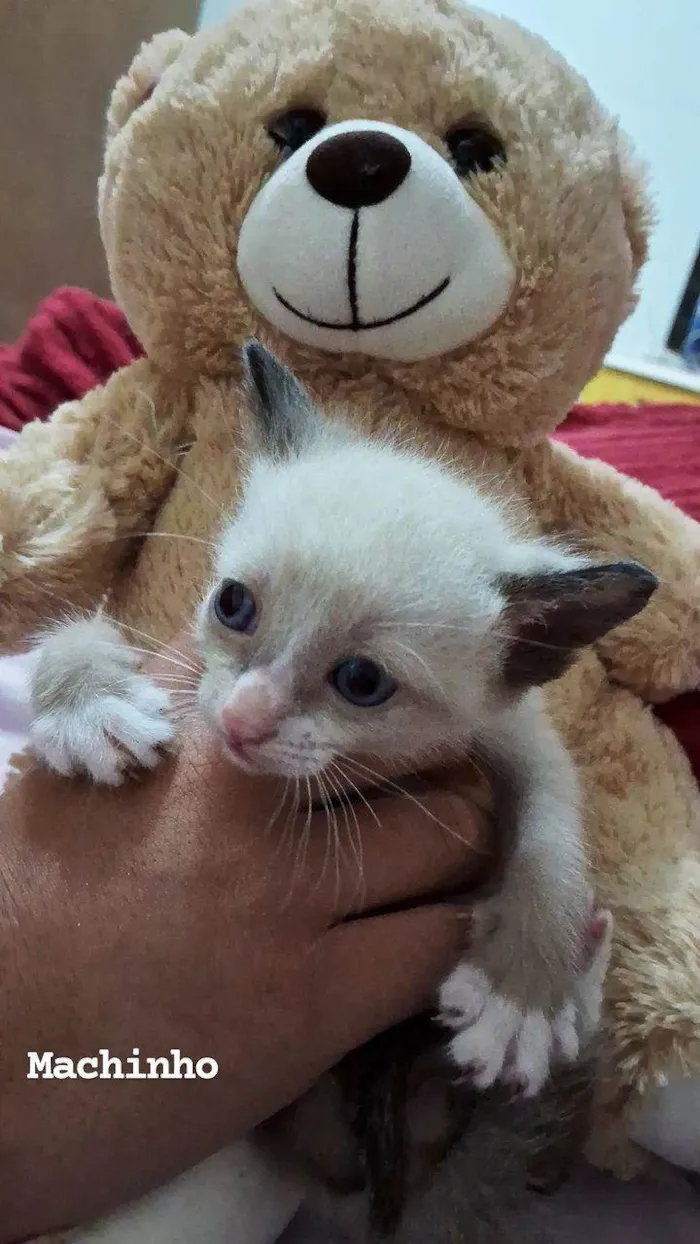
x=368, y=603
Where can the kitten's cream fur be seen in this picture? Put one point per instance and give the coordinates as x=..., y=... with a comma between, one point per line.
x=357, y=548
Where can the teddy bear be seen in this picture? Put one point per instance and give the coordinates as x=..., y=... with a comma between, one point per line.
x=425, y=212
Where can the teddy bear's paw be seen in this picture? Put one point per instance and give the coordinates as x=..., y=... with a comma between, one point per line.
x=496, y=1039
x=107, y=735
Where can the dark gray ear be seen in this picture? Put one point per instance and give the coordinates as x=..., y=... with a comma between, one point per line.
x=285, y=418
x=550, y=616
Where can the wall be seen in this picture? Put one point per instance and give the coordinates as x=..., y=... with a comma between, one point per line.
x=58, y=62
x=642, y=60
x=216, y=10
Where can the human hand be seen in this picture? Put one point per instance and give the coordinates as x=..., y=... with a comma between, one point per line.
x=167, y=915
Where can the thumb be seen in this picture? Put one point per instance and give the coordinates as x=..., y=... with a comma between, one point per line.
x=383, y=969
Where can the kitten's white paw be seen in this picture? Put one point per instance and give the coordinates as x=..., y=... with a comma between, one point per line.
x=497, y=1040
x=106, y=734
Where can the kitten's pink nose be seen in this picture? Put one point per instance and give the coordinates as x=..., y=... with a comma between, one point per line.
x=254, y=712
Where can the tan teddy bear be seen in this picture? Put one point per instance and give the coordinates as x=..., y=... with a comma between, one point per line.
x=424, y=211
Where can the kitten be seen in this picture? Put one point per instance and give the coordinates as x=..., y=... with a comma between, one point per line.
x=371, y=610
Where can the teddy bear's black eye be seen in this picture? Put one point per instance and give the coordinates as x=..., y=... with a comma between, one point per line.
x=294, y=128
x=474, y=149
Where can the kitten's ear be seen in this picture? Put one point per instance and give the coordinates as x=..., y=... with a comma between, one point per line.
x=551, y=615
x=285, y=418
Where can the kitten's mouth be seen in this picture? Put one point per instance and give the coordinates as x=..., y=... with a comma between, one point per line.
x=253, y=759
x=242, y=756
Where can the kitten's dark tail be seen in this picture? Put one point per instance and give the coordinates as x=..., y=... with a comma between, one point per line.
x=491, y=1149
x=378, y=1082
x=375, y=1082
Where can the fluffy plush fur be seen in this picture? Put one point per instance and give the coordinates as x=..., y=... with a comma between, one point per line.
x=194, y=138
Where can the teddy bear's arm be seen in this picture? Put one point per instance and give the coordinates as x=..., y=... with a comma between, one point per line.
x=74, y=490
x=657, y=654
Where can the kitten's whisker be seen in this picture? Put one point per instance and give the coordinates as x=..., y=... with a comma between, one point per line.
x=186, y=678
x=359, y=792
x=160, y=646
x=160, y=535
x=327, y=852
x=183, y=712
x=332, y=824
x=278, y=809
x=149, y=652
x=421, y=661
x=290, y=819
x=303, y=847
x=355, y=838
x=343, y=778
x=383, y=781
x=534, y=643
x=400, y=625
x=173, y=683
x=168, y=462
x=448, y=626
x=298, y=867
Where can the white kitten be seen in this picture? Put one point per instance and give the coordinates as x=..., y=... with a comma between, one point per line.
x=371, y=611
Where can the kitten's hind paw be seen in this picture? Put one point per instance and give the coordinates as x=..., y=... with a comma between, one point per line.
x=497, y=1040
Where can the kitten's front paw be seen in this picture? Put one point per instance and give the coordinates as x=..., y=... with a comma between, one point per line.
x=496, y=1039
x=106, y=735
x=499, y=1038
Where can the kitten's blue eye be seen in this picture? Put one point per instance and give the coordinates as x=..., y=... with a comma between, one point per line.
x=362, y=682
x=234, y=606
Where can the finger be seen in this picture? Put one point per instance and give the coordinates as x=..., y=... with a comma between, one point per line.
x=399, y=849
x=380, y=970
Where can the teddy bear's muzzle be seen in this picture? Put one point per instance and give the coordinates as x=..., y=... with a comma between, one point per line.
x=366, y=240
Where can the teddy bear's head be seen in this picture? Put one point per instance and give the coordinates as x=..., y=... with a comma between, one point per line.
x=422, y=192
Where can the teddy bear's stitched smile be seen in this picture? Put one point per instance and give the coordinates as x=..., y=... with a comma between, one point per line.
x=355, y=324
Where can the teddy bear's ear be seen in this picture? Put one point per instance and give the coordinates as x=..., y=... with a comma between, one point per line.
x=637, y=206
x=147, y=68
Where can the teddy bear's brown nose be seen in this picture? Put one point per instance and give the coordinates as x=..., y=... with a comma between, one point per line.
x=358, y=169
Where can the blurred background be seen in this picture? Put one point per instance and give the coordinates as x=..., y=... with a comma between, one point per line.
x=59, y=60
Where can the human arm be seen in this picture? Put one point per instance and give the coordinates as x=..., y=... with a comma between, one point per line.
x=163, y=915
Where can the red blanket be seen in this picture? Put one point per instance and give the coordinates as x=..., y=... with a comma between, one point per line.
x=75, y=341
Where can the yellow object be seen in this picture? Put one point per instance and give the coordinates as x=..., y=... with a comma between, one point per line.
x=622, y=387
